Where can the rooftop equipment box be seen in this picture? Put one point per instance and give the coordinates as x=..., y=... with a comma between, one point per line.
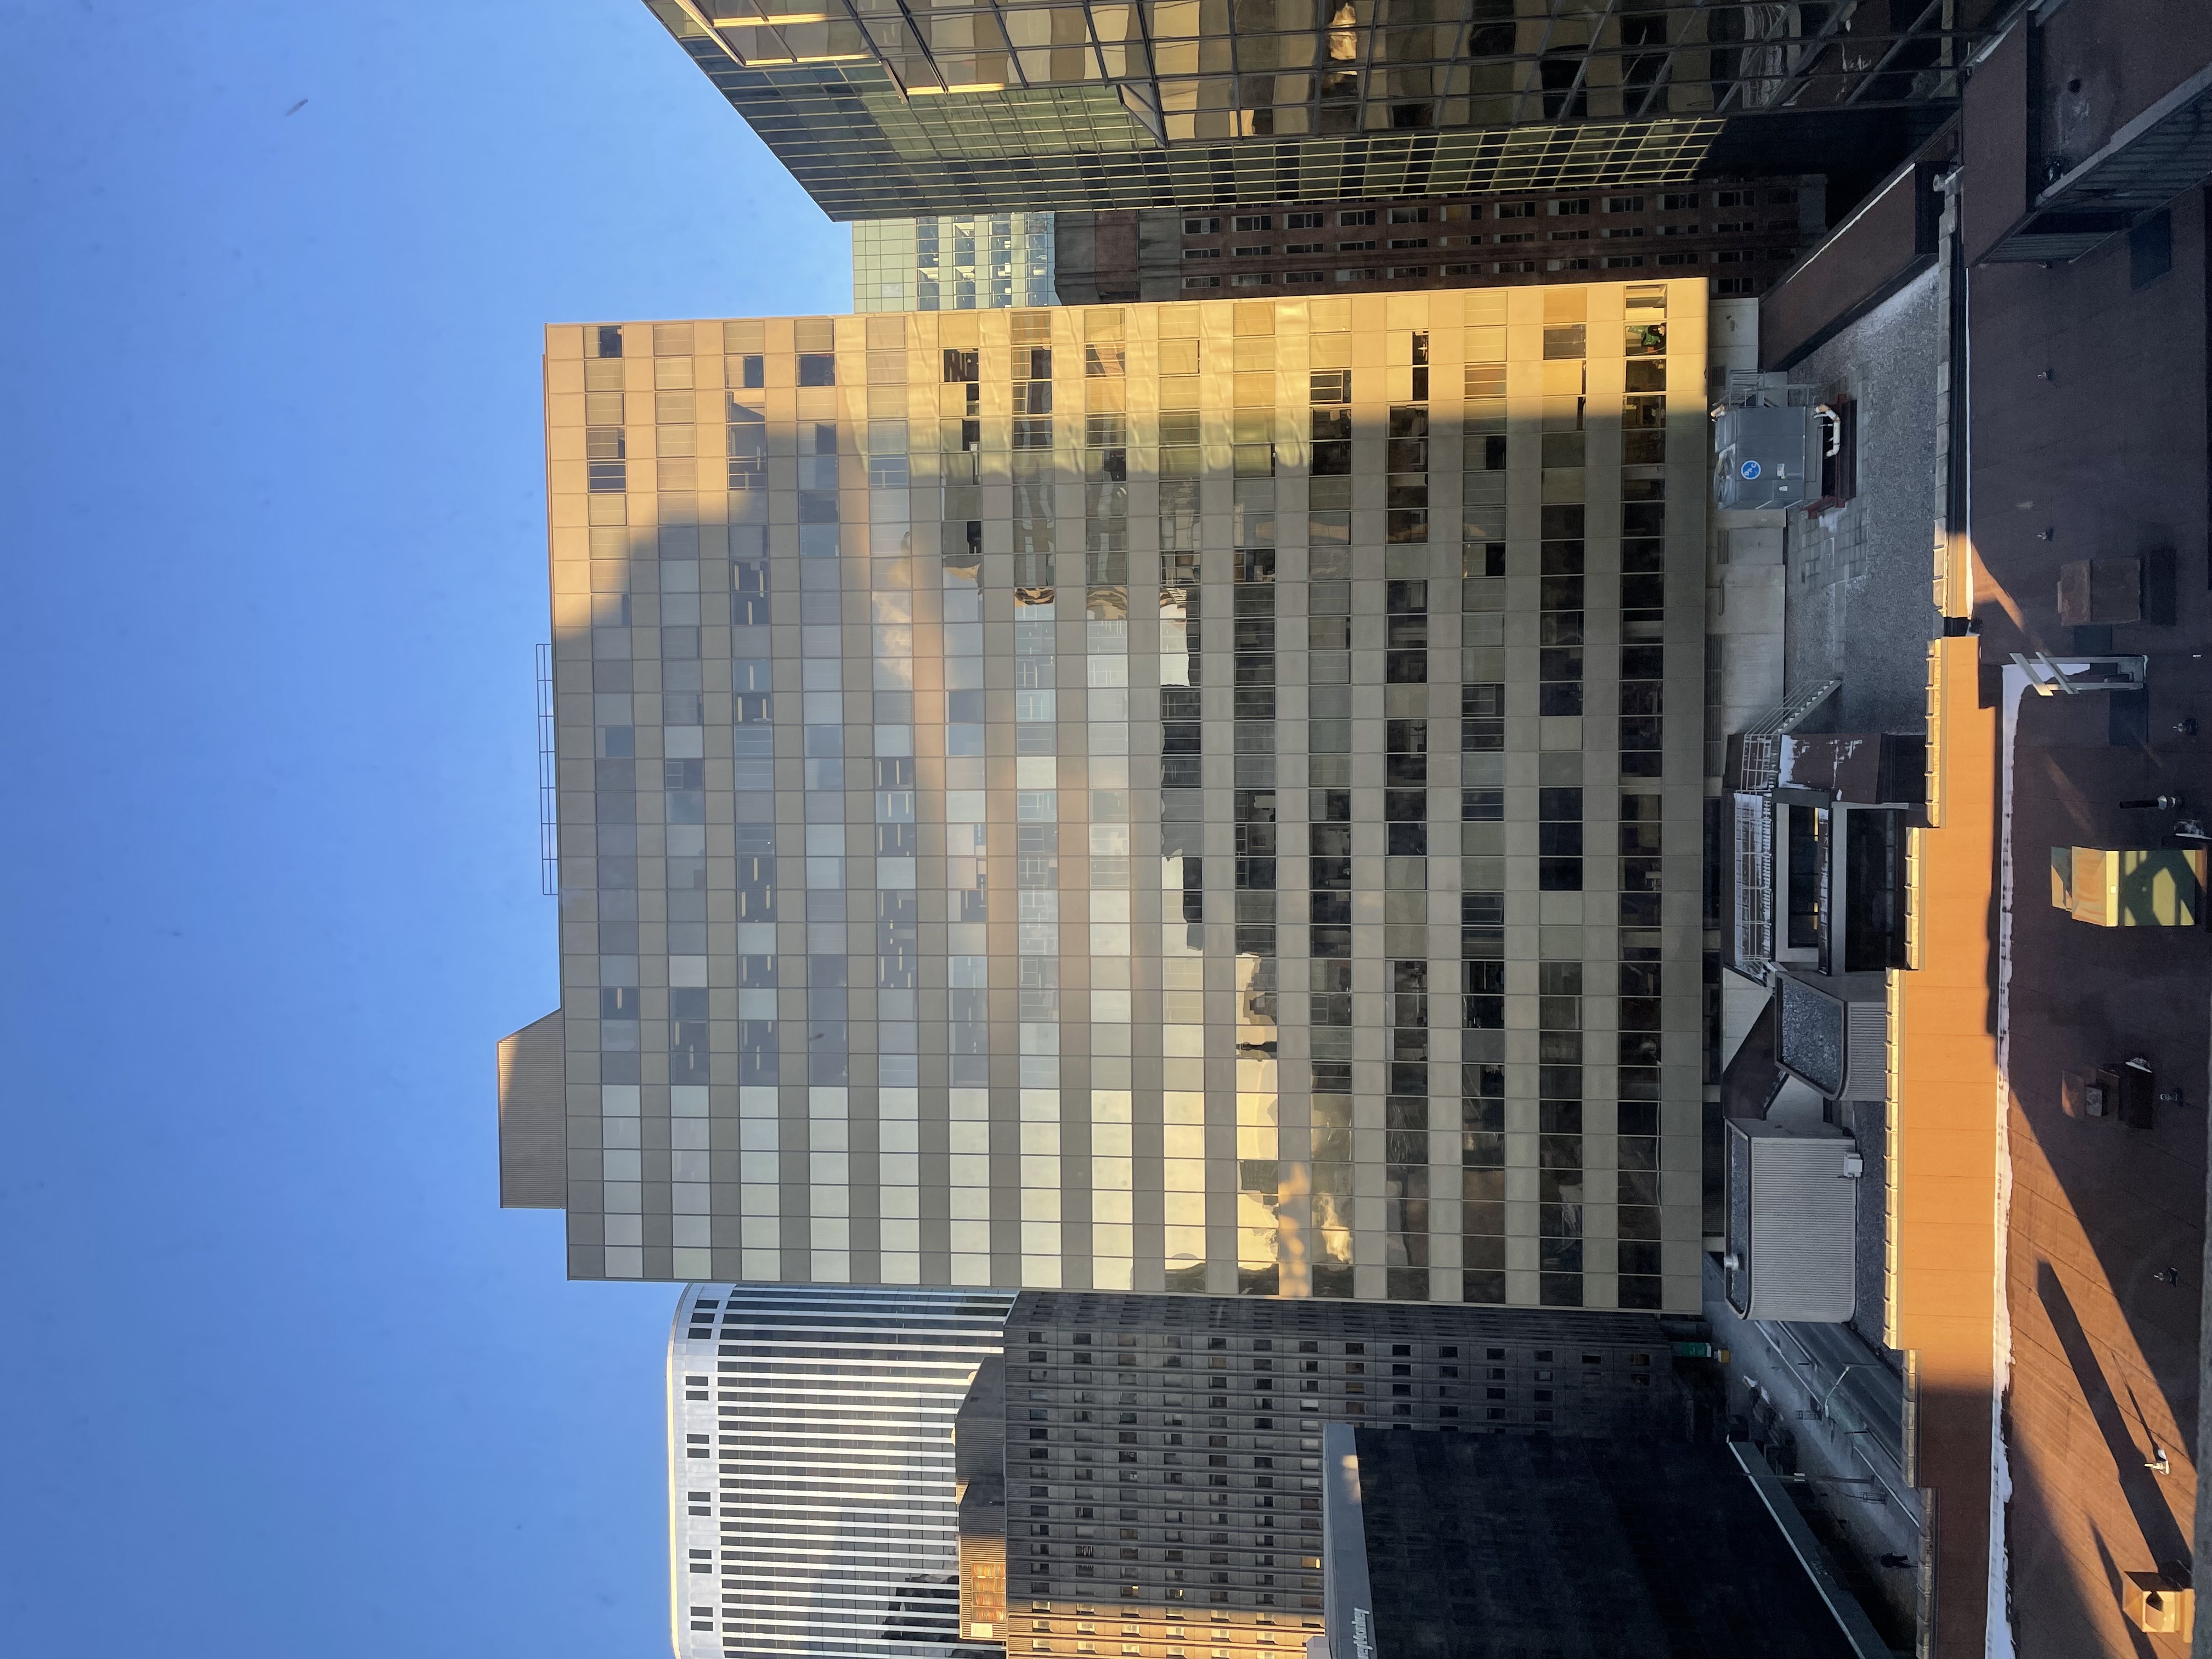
x=1791, y=1198
x=1763, y=458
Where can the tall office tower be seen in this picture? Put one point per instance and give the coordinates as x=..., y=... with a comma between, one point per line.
x=1174, y=796
x=879, y=111
x=809, y=1467
x=1163, y=1459
x=953, y=262
x=1743, y=233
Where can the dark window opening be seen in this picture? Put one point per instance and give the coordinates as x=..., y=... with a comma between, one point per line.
x=1839, y=479
x=1874, y=921
x=2150, y=249
x=1808, y=827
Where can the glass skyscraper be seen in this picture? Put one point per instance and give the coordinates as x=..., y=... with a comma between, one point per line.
x=953, y=262
x=811, y=1472
x=1188, y=797
x=879, y=110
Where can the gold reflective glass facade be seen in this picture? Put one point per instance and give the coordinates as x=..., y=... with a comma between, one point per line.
x=1162, y=798
x=953, y=262
x=880, y=108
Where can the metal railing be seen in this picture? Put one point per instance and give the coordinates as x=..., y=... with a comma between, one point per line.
x=1762, y=740
x=549, y=793
x=1753, y=852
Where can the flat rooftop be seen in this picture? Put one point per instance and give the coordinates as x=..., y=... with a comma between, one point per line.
x=1508, y=1546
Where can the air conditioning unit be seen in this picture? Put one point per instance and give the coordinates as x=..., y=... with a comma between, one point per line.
x=1792, y=1206
x=1765, y=457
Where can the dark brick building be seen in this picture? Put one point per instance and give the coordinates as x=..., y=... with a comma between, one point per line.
x=1163, y=1454
x=1745, y=233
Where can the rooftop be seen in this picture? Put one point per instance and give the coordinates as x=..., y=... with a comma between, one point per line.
x=1499, y=1546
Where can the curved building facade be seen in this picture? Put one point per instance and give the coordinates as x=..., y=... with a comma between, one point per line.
x=809, y=1467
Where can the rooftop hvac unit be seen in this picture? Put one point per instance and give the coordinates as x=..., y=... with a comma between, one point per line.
x=1764, y=458
x=1792, y=1196
x=1770, y=439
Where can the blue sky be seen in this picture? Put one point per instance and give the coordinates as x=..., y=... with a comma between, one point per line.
x=280, y=1377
